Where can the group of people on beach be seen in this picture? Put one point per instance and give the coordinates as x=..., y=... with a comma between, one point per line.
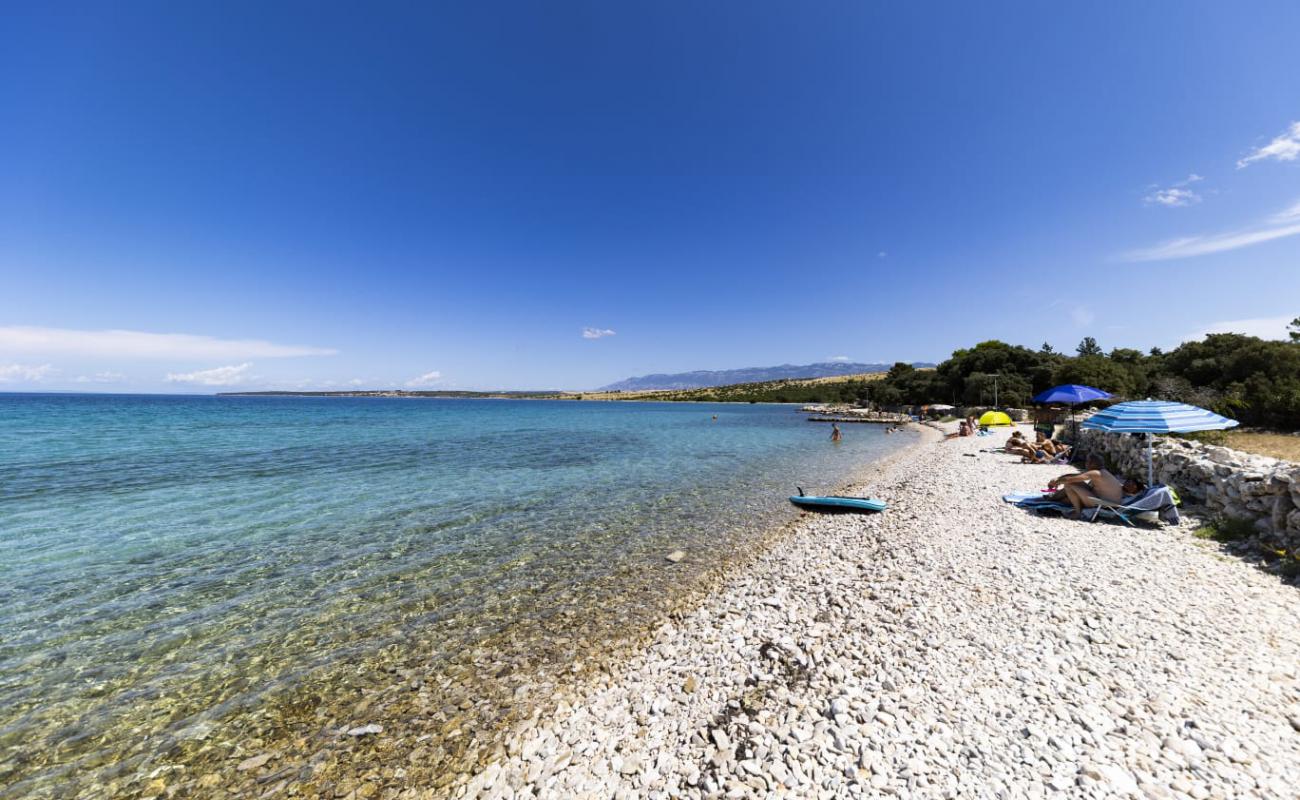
x=967, y=427
x=1040, y=451
x=1092, y=487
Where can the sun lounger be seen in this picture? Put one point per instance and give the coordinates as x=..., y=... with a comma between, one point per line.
x=1158, y=499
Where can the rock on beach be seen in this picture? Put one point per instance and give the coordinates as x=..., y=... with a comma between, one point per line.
x=953, y=646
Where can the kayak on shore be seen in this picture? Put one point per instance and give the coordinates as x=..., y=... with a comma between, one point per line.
x=837, y=503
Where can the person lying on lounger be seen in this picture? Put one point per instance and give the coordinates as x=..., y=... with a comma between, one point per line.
x=1044, y=451
x=1090, y=487
x=1018, y=445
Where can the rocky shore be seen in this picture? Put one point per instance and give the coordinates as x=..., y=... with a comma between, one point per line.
x=953, y=646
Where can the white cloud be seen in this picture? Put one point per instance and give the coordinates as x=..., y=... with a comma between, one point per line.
x=355, y=382
x=1278, y=226
x=596, y=333
x=22, y=373
x=426, y=379
x=102, y=377
x=1263, y=327
x=1083, y=317
x=1172, y=197
x=882, y=254
x=17, y=339
x=1286, y=216
x=1284, y=148
x=1176, y=195
x=840, y=358
x=218, y=376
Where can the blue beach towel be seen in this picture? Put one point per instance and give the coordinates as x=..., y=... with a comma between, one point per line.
x=1159, y=499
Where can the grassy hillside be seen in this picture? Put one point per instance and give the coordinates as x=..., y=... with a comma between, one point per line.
x=835, y=389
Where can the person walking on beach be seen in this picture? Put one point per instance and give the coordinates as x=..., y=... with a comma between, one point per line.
x=835, y=432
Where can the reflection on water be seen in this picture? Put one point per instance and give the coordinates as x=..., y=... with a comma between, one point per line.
x=169, y=565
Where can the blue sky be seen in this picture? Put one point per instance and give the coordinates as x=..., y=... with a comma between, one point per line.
x=201, y=196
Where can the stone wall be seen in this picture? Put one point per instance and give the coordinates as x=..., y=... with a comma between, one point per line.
x=1226, y=482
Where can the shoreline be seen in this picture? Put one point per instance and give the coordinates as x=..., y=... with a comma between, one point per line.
x=951, y=646
x=439, y=720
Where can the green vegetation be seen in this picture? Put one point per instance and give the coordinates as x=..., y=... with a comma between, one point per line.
x=1226, y=529
x=1249, y=379
x=822, y=390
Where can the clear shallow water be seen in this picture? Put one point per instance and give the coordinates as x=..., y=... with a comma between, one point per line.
x=167, y=563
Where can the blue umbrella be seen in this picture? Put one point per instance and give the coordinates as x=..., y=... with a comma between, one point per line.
x=1156, y=416
x=1071, y=393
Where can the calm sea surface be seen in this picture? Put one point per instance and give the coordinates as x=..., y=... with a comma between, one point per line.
x=167, y=563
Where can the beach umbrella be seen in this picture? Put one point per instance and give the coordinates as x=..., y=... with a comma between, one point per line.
x=995, y=419
x=1071, y=394
x=1156, y=416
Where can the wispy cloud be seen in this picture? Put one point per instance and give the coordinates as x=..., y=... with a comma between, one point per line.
x=1278, y=226
x=839, y=358
x=426, y=379
x=141, y=344
x=218, y=376
x=882, y=254
x=1083, y=317
x=1285, y=147
x=596, y=333
x=1177, y=194
x=24, y=373
x=1263, y=327
x=102, y=377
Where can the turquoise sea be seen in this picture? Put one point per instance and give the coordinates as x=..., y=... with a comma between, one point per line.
x=172, y=565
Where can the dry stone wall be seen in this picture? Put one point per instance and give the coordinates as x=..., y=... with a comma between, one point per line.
x=1228, y=483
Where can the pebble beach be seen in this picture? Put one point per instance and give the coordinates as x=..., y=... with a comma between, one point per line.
x=953, y=646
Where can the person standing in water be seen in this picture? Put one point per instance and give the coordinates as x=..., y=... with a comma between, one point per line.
x=835, y=432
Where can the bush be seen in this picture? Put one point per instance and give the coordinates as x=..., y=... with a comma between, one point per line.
x=1226, y=529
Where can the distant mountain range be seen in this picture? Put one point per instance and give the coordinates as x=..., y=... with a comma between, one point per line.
x=723, y=377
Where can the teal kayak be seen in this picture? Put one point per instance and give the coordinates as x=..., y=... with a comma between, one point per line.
x=834, y=503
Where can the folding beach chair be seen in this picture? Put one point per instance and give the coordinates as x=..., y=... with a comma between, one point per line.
x=1159, y=499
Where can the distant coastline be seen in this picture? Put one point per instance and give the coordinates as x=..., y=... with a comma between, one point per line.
x=549, y=395
x=831, y=389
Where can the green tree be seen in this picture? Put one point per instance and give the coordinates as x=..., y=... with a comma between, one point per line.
x=1295, y=329
x=1250, y=379
x=1098, y=371
x=1046, y=349
x=1088, y=347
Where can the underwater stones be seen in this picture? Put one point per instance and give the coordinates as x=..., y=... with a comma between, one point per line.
x=253, y=762
x=366, y=730
x=675, y=556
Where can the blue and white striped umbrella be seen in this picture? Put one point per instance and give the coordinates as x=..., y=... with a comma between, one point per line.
x=1156, y=416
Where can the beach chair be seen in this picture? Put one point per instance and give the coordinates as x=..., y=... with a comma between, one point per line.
x=1159, y=499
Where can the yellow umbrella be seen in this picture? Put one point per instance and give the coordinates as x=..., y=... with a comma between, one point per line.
x=995, y=419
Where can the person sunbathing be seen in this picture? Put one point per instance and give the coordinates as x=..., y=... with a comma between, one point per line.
x=1017, y=445
x=1042, y=442
x=1089, y=488
x=1044, y=450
